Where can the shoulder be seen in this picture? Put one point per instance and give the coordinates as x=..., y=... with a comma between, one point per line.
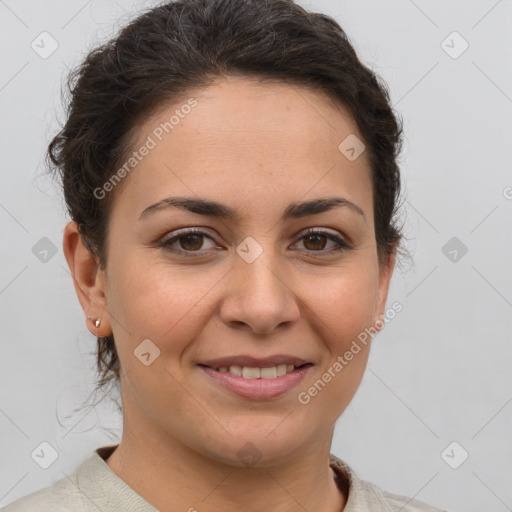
x=76, y=492
x=367, y=497
x=394, y=502
x=62, y=496
x=91, y=487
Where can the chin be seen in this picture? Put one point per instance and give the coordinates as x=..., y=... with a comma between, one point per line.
x=254, y=444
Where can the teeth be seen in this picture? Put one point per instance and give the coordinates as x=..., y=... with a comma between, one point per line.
x=281, y=369
x=251, y=373
x=247, y=372
x=268, y=373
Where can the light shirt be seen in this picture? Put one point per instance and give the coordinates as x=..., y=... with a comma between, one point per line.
x=94, y=487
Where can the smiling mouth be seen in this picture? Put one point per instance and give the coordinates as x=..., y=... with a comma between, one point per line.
x=269, y=372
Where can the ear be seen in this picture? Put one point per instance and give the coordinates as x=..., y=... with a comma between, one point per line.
x=385, y=272
x=89, y=280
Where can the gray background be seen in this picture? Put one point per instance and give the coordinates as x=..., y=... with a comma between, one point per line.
x=439, y=372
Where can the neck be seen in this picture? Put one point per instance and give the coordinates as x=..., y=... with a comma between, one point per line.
x=171, y=476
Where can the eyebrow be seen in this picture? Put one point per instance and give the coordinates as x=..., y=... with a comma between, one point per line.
x=219, y=210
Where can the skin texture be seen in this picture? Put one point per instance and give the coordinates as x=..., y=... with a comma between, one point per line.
x=256, y=147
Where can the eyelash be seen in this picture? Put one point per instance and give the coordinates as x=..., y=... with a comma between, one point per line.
x=342, y=245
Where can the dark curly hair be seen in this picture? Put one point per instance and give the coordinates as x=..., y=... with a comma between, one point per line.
x=185, y=45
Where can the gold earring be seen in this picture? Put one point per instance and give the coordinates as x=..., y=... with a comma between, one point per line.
x=96, y=322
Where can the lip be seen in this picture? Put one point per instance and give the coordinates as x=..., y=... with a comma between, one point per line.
x=254, y=362
x=257, y=389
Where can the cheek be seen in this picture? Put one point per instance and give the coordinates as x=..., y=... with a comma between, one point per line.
x=340, y=316
x=344, y=302
x=152, y=298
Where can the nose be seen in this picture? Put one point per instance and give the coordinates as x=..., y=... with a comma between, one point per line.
x=258, y=296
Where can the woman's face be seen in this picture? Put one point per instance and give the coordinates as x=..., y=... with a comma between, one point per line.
x=254, y=284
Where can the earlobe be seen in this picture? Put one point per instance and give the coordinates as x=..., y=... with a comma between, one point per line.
x=88, y=280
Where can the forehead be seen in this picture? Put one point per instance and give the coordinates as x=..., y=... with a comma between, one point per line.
x=247, y=139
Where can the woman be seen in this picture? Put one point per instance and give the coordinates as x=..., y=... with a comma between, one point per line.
x=230, y=170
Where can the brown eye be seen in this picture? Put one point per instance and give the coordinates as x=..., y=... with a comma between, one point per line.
x=192, y=242
x=315, y=242
x=188, y=241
